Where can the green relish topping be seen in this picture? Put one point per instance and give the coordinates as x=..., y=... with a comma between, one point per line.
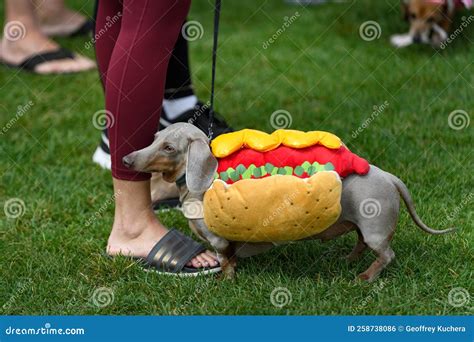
x=242, y=172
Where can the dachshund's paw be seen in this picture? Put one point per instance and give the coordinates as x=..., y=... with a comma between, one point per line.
x=229, y=276
x=228, y=273
x=366, y=276
x=401, y=40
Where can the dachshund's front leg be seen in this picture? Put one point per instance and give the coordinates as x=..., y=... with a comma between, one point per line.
x=225, y=254
x=225, y=249
x=228, y=261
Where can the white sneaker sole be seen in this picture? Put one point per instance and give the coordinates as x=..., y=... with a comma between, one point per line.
x=102, y=159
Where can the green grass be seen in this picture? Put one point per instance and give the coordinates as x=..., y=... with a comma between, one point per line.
x=328, y=78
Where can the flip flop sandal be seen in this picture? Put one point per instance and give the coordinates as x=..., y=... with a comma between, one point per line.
x=171, y=254
x=32, y=62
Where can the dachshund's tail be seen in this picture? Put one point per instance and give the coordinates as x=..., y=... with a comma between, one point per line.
x=405, y=193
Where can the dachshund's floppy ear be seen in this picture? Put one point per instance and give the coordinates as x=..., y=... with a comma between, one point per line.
x=200, y=167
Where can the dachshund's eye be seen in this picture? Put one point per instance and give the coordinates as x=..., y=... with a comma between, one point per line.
x=412, y=15
x=430, y=20
x=169, y=149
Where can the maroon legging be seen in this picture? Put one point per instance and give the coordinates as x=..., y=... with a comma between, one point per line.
x=134, y=42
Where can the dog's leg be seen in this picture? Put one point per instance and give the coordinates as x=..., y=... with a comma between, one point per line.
x=381, y=246
x=372, y=203
x=228, y=261
x=226, y=251
x=358, y=249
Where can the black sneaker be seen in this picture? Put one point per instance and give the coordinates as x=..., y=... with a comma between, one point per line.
x=199, y=117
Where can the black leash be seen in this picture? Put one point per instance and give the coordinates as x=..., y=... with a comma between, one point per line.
x=217, y=12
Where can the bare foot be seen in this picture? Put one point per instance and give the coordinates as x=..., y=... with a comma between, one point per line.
x=138, y=236
x=15, y=51
x=60, y=23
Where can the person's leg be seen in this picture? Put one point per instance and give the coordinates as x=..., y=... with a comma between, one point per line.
x=108, y=21
x=134, y=87
x=180, y=103
x=56, y=19
x=179, y=93
x=178, y=79
x=136, y=229
x=23, y=38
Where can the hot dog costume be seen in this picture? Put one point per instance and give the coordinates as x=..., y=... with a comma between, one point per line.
x=283, y=186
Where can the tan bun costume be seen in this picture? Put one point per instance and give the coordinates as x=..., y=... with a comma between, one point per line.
x=277, y=187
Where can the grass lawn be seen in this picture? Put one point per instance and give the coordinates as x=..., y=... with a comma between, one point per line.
x=322, y=72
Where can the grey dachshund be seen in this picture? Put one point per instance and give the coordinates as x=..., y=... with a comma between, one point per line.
x=182, y=150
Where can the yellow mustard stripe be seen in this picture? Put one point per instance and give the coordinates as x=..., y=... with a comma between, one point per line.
x=228, y=143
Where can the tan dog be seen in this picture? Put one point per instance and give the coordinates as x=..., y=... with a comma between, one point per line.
x=430, y=21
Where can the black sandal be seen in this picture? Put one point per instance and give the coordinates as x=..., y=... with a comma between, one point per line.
x=171, y=254
x=30, y=63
